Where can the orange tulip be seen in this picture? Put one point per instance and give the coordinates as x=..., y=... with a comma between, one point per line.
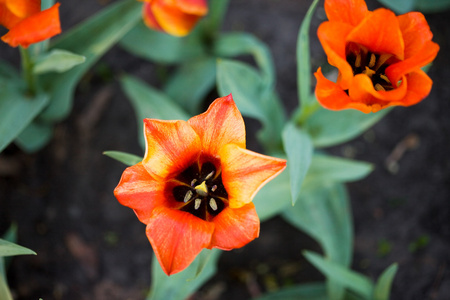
x=26, y=22
x=379, y=57
x=194, y=187
x=175, y=17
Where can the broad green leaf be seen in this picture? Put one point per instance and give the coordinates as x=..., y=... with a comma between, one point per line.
x=309, y=291
x=212, y=23
x=274, y=197
x=399, y=6
x=348, y=278
x=198, y=77
x=58, y=61
x=328, y=128
x=179, y=286
x=299, y=150
x=325, y=168
x=240, y=43
x=304, y=60
x=9, y=236
x=161, y=47
x=428, y=6
x=125, y=158
x=148, y=102
x=324, y=213
x=90, y=39
x=383, y=285
x=11, y=249
x=8, y=74
x=17, y=111
x=35, y=136
x=5, y=294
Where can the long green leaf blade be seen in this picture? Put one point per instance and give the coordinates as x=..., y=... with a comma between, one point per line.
x=383, y=285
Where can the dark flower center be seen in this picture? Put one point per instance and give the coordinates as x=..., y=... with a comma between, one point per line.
x=372, y=64
x=201, y=191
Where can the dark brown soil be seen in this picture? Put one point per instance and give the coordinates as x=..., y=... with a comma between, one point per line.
x=90, y=247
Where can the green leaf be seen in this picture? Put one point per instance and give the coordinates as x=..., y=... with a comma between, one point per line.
x=148, y=102
x=35, y=136
x=157, y=46
x=125, y=158
x=90, y=39
x=239, y=43
x=399, y=6
x=328, y=128
x=17, y=111
x=309, y=291
x=432, y=6
x=299, y=151
x=348, y=278
x=304, y=60
x=5, y=294
x=58, y=61
x=325, y=168
x=212, y=23
x=11, y=249
x=383, y=285
x=274, y=197
x=198, y=77
x=179, y=286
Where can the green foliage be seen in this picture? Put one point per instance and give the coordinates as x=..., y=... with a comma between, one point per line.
x=179, y=286
x=148, y=102
x=58, y=61
x=310, y=291
x=328, y=128
x=426, y=6
x=11, y=249
x=383, y=285
x=419, y=243
x=35, y=136
x=125, y=158
x=299, y=150
x=90, y=39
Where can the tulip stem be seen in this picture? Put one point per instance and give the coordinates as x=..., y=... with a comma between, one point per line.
x=305, y=112
x=27, y=69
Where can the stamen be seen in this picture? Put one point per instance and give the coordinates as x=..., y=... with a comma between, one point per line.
x=379, y=87
x=209, y=175
x=385, y=78
x=193, y=182
x=358, y=60
x=197, y=203
x=368, y=72
x=213, y=204
x=214, y=188
x=372, y=60
x=202, y=189
x=188, y=196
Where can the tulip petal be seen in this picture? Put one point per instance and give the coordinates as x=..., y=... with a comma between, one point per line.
x=220, y=125
x=24, y=8
x=347, y=11
x=149, y=17
x=171, y=147
x=173, y=20
x=380, y=33
x=244, y=172
x=234, y=228
x=194, y=7
x=332, y=36
x=35, y=28
x=362, y=90
x=139, y=191
x=333, y=97
x=415, y=31
x=419, y=86
x=7, y=18
x=177, y=237
x=426, y=54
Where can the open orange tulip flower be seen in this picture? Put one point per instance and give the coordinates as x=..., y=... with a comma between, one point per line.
x=195, y=185
x=26, y=22
x=175, y=17
x=379, y=57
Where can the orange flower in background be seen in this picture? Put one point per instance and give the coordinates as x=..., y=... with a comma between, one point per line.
x=26, y=22
x=175, y=17
x=378, y=55
x=195, y=185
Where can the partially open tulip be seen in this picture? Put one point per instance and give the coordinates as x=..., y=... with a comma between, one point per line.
x=379, y=57
x=195, y=185
x=175, y=17
x=26, y=22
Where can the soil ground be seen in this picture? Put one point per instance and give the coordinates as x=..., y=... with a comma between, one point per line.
x=90, y=247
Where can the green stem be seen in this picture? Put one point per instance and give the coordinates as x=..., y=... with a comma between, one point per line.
x=303, y=114
x=27, y=69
